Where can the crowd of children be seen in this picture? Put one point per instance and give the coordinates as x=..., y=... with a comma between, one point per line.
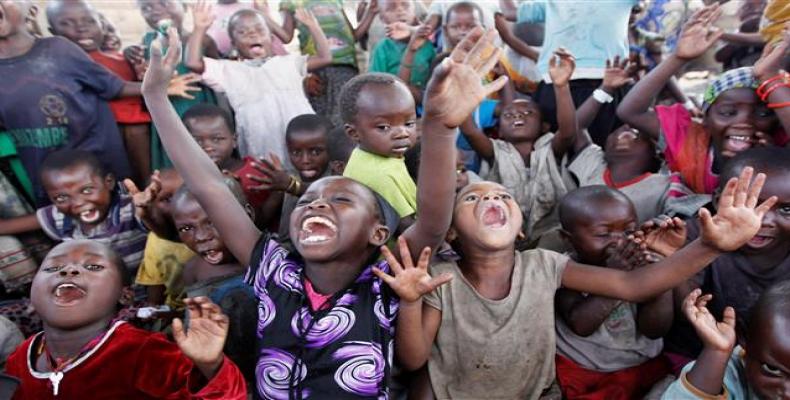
x=482, y=210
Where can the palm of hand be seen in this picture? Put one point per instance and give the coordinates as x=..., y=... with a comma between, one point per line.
x=666, y=241
x=412, y=284
x=615, y=77
x=398, y=31
x=162, y=66
x=457, y=96
x=694, y=41
x=204, y=340
x=561, y=74
x=718, y=335
x=731, y=227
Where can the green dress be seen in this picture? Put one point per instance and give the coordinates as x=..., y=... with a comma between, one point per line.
x=159, y=158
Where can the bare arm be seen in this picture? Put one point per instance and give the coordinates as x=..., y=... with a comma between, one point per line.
x=13, y=226
x=584, y=314
x=561, y=67
x=323, y=56
x=509, y=9
x=506, y=33
x=200, y=174
x=769, y=66
x=747, y=39
x=654, y=317
x=481, y=144
x=414, y=341
x=285, y=32
x=362, y=28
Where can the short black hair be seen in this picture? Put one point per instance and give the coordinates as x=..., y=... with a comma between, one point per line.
x=64, y=159
x=55, y=6
x=206, y=110
x=584, y=200
x=339, y=145
x=349, y=94
x=464, y=6
x=308, y=122
x=772, y=302
x=762, y=159
x=247, y=12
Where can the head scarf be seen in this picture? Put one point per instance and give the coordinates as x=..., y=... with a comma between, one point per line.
x=735, y=78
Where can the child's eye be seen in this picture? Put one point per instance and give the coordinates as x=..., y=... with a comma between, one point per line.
x=770, y=370
x=53, y=268
x=383, y=127
x=505, y=196
x=87, y=190
x=184, y=228
x=316, y=152
x=61, y=198
x=784, y=210
x=471, y=197
x=729, y=112
x=341, y=199
x=216, y=139
x=94, y=267
x=411, y=124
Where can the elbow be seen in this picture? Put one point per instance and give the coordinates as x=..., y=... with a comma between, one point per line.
x=624, y=111
x=580, y=327
x=195, y=66
x=412, y=362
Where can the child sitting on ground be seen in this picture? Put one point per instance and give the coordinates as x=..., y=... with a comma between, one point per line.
x=87, y=204
x=83, y=350
x=379, y=115
x=753, y=367
x=737, y=278
x=321, y=309
x=606, y=348
x=735, y=117
x=264, y=91
x=308, y=143
x=525, y=160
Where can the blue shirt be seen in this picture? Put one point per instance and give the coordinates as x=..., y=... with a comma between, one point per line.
x=592, y=30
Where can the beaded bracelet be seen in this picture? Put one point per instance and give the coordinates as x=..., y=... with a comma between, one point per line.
x=779, y=105
x=769, y=85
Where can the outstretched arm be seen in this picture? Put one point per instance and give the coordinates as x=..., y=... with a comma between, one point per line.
x=323, y=56
x=481, y=144
x=697, y=37
x=13, y=226
x=203, y=17
x=285, y=32
x=738, y=220
x=561, y=68
x=769, y=66
x=454, y=91
x=200, y=174
x=506, y=33
x=364, y=24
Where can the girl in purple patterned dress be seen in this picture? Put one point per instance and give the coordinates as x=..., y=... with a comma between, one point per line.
x=325, y=321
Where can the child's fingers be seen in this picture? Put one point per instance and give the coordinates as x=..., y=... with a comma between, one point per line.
x=130, y=187
x=178, y=330
x=440, y=280
x=753, y=195
x=482, y=51
x=766, y=206
x=405, y=253
x=495, y=86
x=193, y=309
x=266, y=180
x=208, y=308
x=387, y=278
x=395, y=266
x=728, y=194
x=460, y=51
x=689, y=302
x=425, y=258
x=742, y=190
x=489, y=63
x=276, y=161
x=728, y=318
x=173, y=56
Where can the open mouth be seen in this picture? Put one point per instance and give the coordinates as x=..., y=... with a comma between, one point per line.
x=317, y=230
x=68, y=293
x=308, y=173
x=738, y=143
x=86, y=43
x=518, y=123
x=494, y=217
x=257, y=50
x=760, y=241
x=90, y=216
x=213, y=257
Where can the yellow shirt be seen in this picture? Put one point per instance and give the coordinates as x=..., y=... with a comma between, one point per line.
x=163, y=262
x=386, y=176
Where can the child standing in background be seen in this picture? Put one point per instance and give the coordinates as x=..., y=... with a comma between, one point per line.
x=265, y=92
x=224, y=10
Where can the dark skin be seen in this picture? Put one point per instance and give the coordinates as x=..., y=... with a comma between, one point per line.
x=386, y=122
x=360, y=31
x=593, y=237
x=307, y=151
x=460, y=21
x=505, y=30
x=15, y=39
x=214, y=136
x=331, y=263
x=281, y=31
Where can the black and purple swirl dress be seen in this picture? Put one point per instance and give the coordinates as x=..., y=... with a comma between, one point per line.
x=342, y=351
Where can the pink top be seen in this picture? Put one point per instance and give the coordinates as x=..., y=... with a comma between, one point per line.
x=317, y=300
x=219, y=30
x=675, y=128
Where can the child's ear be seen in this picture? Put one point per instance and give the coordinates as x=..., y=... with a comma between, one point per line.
x=127, y=297
x=109, y=181
x=452, y=234
x=545, y=127
x=337, y=167
x=351, y=131
x=380, y=235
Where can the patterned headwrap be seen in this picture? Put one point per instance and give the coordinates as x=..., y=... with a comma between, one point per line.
x=735, y=78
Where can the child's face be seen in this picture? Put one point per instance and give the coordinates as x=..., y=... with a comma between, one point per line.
x=386, y=121
x=486, y=216
x=251, y=37
x=768, y=358
x=599, y=228
x=335, y=219
x=154, y=11
x=773, y=238
x=79, y=24
x=80, y=193
x=628, y=142
x=397, y=11
x=733, y=120
x=213, y=135
x=197, y=232
x=308, y=153
x=13, y=14
x=461, y=177
x=78, y=284
x=171, y=182
x=521, y=120
x=459, y=23
x=112, y=41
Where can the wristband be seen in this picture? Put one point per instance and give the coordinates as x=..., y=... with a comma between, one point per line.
x=602, y=97
x=779, y=105
x=767, y=92
x=764, y=86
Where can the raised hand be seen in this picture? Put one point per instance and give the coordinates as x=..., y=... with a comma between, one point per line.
x=561, y=66
x=145, y=199
x=738, y=217
x=202, y=15
x=717, y=336
x=699, y=34
x=410, y=282
x=205, y=338
x=628, y=254
x=182, y=85
x=419, y=36
x=617, y=74
x=262, y=6
x=456, y=87
x=305, y=17
x=161, y=67
x=273, y=175
x=398, y=31
x=770, y=63
x=663, y=234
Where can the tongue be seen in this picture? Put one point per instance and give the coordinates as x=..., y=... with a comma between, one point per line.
x=492, y=217
x=69, y=293
x=213, y=257
x=738, y=145
x=319, y=230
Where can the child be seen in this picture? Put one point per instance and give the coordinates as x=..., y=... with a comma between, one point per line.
x=63, y=101
x=755, y=369
x=225, y=9
x=524, y=160
x=339, y=147
x=83, y=350
x=606, y=348
x=321, y=305
x=490, y=332
x=341, y=37
x=738, y=277
x=265, y=93
x=735, y=118
x=87, y=204
x=378, y=111
x=216, y=274
x=79, y=22
x=214, y=131
x=414, y=49
x=157, y=15
x=307, y=139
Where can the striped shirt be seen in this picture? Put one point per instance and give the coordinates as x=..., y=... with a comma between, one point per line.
x=120, y=229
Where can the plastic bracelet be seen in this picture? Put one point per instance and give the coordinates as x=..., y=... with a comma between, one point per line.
x=761, y=88
x=779, y=105
x=764, y=96
x=291, y=183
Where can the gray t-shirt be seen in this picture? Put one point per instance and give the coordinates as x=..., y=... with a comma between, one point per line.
x=497, y=349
